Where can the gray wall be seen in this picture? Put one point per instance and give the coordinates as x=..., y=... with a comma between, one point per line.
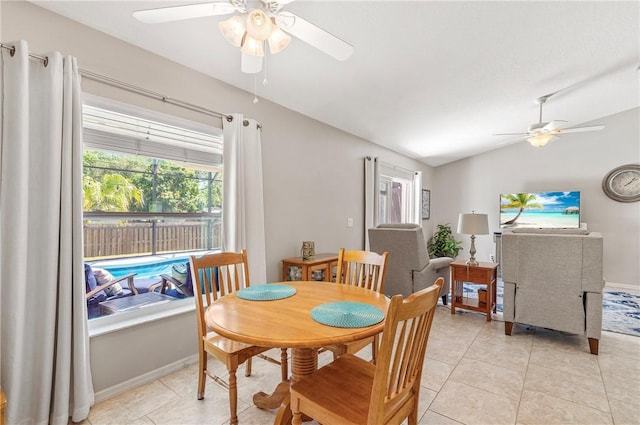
x=577, y=161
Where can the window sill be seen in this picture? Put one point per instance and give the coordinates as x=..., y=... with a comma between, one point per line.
x=117, y=322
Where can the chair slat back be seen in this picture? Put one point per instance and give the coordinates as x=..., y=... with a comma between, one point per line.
x=216, y=275
x=365, y=269
x=402, y=350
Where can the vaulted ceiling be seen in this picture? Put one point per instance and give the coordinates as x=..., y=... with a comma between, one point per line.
x=434, y=80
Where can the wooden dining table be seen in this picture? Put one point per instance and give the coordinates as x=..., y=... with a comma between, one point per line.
x=287, y=323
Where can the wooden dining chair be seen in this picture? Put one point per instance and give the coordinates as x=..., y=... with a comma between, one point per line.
x=353, y=391
x=365, y=269
x=214, y=276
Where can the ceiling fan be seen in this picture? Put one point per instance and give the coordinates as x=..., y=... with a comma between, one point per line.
x=541, y=133
x=254, y=24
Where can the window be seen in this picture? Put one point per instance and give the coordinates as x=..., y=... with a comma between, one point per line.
x=152, y=194
x=397, y=194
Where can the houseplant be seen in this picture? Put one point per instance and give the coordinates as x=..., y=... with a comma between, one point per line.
x=443, y=244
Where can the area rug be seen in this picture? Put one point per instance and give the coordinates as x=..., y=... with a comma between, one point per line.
x=620, y=310
x=621, y=313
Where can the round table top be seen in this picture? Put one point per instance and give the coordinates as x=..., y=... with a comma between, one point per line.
x=287, y=322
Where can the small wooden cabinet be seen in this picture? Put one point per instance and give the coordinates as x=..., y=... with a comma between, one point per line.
x=482, y=274
x=322, y=267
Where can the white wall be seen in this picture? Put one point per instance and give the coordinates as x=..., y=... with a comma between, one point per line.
x=577, y=161
x=313, y=173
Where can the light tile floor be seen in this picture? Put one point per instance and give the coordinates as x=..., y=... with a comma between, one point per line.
x=473, y=374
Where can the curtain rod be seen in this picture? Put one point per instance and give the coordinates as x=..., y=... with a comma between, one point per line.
x=12, y=51
x=139, y=90
x=135, y=89
x=395, y=167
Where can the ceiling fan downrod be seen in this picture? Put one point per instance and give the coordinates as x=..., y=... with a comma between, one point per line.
x=540, y=101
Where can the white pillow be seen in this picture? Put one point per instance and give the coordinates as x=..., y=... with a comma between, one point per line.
x=102, y=277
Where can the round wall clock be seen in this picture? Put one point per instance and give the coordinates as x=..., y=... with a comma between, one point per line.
x=623, y=183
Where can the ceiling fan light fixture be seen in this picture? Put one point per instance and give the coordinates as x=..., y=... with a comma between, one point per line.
x=251, y=46
x=259, y=26
x=233, y=29
x=539, y=140
x=278, y=40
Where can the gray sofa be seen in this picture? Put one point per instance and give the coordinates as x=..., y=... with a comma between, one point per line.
x=554, y=279
x=409, y=268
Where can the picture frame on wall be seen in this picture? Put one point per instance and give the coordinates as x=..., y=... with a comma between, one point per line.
x=426, y=204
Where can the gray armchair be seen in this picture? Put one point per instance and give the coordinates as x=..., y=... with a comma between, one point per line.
x=554, y=281
x=409, y=268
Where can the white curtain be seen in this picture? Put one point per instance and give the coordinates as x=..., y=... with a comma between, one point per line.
x=242, y=197
x=45, y=345
x=369, y=197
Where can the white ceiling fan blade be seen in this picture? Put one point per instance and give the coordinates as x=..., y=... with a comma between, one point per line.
x=512, y=141
x=552, y=125
x=178, y=13
x=250, y=64
x=512, y=134
x=315, y=36
x=578, y=129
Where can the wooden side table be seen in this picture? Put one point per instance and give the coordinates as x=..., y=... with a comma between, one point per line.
x=322, y=267
x=482, y=274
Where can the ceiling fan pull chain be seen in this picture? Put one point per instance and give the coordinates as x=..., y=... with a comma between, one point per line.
x=255, y=88
x=265, y=82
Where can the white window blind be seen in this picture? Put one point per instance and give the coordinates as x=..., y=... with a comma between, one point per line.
x=133, y=131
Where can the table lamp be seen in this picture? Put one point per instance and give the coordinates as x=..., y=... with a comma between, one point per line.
x=473, y=224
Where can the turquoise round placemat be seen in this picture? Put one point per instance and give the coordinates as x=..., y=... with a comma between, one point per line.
x=347, y=314
x=266, y=292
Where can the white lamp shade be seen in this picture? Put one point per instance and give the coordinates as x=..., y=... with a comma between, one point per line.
x=473, y=224
x=259, y=25
x=251, y=46
x=233, y=29
x=278, y=40
x=540, y=140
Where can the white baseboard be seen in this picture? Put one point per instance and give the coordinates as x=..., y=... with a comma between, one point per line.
x=612, y=286
x=146, y=378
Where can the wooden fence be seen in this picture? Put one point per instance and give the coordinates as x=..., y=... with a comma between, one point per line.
x=126, y=239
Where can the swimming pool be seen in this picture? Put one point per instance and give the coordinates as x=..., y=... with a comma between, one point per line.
x=147, y=267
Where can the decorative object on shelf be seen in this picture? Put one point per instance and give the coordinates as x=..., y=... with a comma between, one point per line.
x=308, y=250
x=295, y=273
x=622, y=184
x=443, y=244
x=322, y=267
x=426, y=204
x=473, y=224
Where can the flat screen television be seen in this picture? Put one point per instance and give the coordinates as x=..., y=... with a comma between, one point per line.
x=541, y=210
